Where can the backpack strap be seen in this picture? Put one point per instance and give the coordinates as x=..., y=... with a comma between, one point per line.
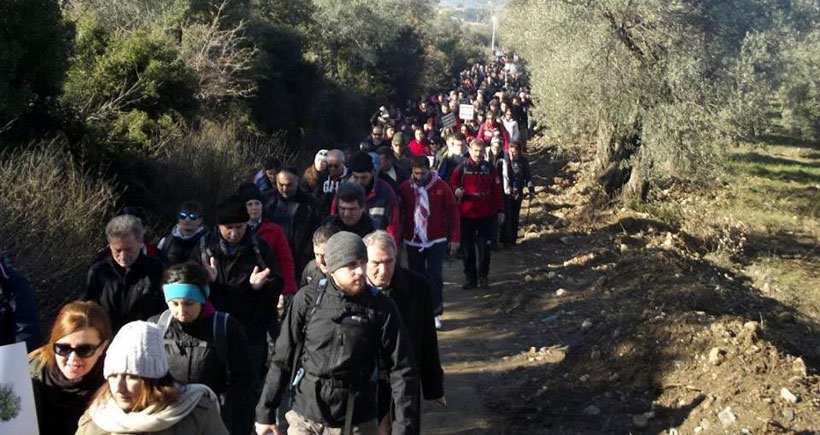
x=219, y=324
x=164, y=244
x=296, y=371
x=164, y=321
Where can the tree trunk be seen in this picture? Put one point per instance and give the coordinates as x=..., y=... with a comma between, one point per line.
x=636, y=187
x=615, y=148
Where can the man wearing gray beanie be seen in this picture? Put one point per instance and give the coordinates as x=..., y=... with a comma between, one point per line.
x=335, y=337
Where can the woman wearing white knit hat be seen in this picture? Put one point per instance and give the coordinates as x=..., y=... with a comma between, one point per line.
x=141, y=397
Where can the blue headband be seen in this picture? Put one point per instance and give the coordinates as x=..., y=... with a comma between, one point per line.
x=179, y=290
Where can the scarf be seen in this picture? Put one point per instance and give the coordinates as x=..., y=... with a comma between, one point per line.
x=109, y=417
x=422, y=210
x=178, y=234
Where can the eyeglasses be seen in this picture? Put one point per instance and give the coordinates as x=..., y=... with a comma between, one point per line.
x=82, y=350
x=189, y=216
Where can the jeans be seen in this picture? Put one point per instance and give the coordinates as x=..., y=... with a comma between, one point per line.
x=475, y=236
x=430, y=262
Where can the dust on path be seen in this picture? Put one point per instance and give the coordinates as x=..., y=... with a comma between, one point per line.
x=476, y=335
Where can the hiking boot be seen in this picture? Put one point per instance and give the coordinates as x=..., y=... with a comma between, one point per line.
x=483, y=282
x=438, y=323
x=469, y=285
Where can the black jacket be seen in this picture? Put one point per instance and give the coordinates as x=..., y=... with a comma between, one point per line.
x=411, y=293
x=362, y=228
x=61, y=402
x=346, y=339
x=232, y=292
x=176, y=249
x=311, y=274
x=297, y=217
x=193, y=358
x=126, y=294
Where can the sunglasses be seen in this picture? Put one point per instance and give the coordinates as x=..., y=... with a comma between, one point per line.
x=189, y=216
x=82, y=350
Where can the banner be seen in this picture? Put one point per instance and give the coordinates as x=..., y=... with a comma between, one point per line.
x=18, y=414
x=465, y=111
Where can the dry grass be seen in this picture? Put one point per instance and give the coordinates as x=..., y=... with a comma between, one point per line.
x=52, y=216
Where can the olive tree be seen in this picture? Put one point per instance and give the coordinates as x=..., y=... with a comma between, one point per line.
x=651, y=81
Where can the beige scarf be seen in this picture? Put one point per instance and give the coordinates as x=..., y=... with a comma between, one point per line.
x=109, y=417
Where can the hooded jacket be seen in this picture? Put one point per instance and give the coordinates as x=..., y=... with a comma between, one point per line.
x=177, y=248
x=345, y=340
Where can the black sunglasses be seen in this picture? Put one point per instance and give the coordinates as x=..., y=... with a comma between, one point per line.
x=82, y=350
x=189, y=216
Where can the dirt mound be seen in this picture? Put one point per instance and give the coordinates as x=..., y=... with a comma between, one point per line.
x=627, y=328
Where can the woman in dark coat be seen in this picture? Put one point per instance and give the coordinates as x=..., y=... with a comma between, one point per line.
x=205, y=346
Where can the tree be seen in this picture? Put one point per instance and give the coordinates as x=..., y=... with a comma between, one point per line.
x=34, y=45
x=650, y=80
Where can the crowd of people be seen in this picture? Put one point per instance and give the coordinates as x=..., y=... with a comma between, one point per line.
x=338, y=266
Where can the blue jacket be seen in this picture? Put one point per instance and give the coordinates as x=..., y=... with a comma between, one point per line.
x=26, y=326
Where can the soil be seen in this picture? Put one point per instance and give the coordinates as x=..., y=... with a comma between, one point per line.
x=612, y=322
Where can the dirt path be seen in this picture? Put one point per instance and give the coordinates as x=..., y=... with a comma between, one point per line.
x=609, y=321
x=474, y=338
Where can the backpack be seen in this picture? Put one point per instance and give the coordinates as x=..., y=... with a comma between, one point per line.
x=219, y=324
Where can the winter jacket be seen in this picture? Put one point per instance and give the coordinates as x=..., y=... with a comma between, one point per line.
x=411, y=293
x=443, y=221
x=328, y=193
x=311, y=274
x=520, y=176
x=260, y=179
x=502, y=168
x=274, y=236
x=297, y=217
x=482, y=189
x=177, y=248
x=345, y=339
x=22, y=322
x=513, y=133
x=198, y=418
x=362, y=228
x=61, y=402
x=126, y=294
x=485, y=133
x=418, y=148
x=382, y=205
x=194, y=358
x=232, y=292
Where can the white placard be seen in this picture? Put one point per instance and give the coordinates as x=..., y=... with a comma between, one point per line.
x=465, y=111
x=18, y=414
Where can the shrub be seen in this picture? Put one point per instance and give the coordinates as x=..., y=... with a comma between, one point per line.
x=208, y=164
x=52, y=215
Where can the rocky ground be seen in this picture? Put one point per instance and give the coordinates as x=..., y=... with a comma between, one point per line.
x=613, y=322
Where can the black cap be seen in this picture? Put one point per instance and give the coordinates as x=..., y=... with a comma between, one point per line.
x=232, y=210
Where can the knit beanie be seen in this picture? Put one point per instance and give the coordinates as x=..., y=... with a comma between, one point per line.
x=248, y=191
x=361, y=162
x=232, y=210
x=342, y=249
x=398, y=138
x=180, y=290
x=138, y=349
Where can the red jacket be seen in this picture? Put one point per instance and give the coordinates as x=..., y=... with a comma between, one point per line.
x=274, y=236
x=443, y=221
x=485, y=133
x=418, y=148
x=482, y=189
